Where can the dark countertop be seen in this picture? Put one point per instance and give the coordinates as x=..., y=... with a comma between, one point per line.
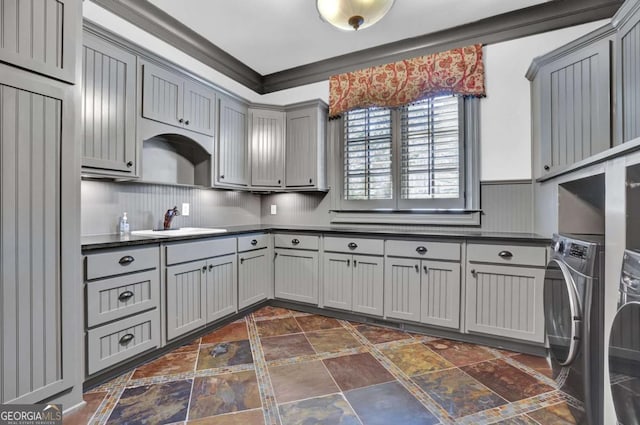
x=116, y=241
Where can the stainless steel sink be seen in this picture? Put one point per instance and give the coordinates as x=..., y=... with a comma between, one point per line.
x=184, y=231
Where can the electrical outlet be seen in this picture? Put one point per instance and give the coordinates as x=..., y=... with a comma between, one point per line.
x=185, y=209
x=274, y=209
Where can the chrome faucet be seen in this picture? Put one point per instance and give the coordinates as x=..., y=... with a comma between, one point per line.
x=168, y=216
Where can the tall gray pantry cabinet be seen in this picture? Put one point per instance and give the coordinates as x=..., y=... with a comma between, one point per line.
x=40, y=295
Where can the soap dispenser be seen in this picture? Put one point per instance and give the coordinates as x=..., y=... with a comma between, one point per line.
x=124, y=224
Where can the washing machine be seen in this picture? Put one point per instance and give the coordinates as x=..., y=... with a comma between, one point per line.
x=574, y=321
x=624, y=343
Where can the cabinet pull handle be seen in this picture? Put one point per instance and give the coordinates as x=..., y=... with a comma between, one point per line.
x=295, y=241
x=426, y=269
x=222, y=176
x=126, y=338
x=348, y=263
x=180, y=120
x=355, y=263
x=186, y=122
x=474, y=273
x=204, y=269
x=547, y=168
x=417, y=269
x=210, y=267
x=254, y=242
x=126, y=260
x=241, y=260
x=279, y=181
x=310, y=180
x=352, y=245
x=505, y=254
x=125, y=296
x=421, y=250
x=129, y=164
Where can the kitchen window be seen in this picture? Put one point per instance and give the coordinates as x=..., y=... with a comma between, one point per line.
x=416, y=158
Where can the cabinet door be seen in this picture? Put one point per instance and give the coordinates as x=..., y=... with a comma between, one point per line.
x=32, y=304
x=628, y=77
x=186, y=298
x=505, y=301
x=253, y=277
x=267, y=148
x=162, y=95
x=402, y=289
x=222, y=287
x=337, y=285
x=302, y=148
x=108, y=107
x=368, y=281
x=440, y=294
x=41, y=36
x=233, y=142
x=199, y=108
x=296, y=275
x=576, y=107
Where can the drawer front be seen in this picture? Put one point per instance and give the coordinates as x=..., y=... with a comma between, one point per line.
x=354, y=245
x=198, y=250
x=251, y=242
x=113, y=343
x=507, y=254
x=297, y=241
x=122, y=261
x=115, y=298
x=418, y=249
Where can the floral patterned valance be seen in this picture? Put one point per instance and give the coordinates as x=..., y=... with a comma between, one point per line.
x=457, y=71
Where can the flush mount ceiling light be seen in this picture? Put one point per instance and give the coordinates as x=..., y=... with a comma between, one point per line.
x=353, y=14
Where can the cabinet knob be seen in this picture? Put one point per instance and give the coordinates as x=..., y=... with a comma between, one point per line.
x=295, y=241
x=186, y=122
x=241, y=260
x=547, y=168
x=126, y=338
x=310, y=180
x=355, y=263
x=421, y=250
x=426, y=269
x=254, y=242
x=123, y=297
x=417, y=268
x=210, y=267
x=204, y=269
x=126, y=260
x=352, y=245
x=180, y=120
x=473, y=272
x=505, y=254
x=222, y=176
x=348, y=263
x=130, y=164
x=279, y=181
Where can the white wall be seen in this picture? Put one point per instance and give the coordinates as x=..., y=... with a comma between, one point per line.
x=505, y=126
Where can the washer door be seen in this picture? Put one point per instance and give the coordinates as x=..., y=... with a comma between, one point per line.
x=624, y=363
x=562, y=313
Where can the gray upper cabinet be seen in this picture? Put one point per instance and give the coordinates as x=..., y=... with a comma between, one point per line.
x=572, y=102
x=108, y=108
x=233, y=144
x=627, y=22
x=41, y=36
x=267, y=136
x=305, y=146
x=171, y=99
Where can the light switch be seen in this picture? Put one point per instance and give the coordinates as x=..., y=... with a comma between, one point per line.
x=274, y=209
x=185, y=209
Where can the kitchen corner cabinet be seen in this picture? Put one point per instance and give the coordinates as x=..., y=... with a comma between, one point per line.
x=108, y=109
x=422, y=282
x=41, y=36
x=354, y=282
x=175, y=100
x=267, y=138
x=504, y=291
x=232, y=158
x=305, y=146
x=296, y=268
x=255, y=270
x=628, y=70
x=571, y=101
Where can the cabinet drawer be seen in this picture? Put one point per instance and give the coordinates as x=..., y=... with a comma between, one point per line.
x=296, y=241
x=251, y=242
x=197, y=250
x=418, y=249
x=121, y=261
x=354, y=245
x=113, y=343
x=121, y=296
x=507, y=254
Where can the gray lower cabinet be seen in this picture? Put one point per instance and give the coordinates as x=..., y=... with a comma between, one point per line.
x=423, y=291
x=296, y=275
x=628, y=70
x=306, y=146
x=354, y=283
x=108, y=108
x=186, y=292
x=232, y=160
x=41, y=36
x=253, y=271
x=222, y=287
x=267, y=137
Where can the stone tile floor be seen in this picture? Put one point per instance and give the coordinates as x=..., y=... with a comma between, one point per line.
x=279, y=366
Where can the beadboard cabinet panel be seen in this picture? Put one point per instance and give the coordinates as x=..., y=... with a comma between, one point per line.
x=186, y=298
x=41, y=36
x=253, y=272
x=222, y=287
x=296, y=275
x=440, y=294
x=338, y=281
x=233, y=144
x=628, y=74
x=108, y=108
x=267, y=134
x=199, y=108
x=402, y=289
x=162, y=95
x=368, y=281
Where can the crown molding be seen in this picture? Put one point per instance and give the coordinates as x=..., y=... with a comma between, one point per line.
x=520, y=23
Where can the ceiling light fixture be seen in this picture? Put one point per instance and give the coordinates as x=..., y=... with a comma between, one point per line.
x=353, y=14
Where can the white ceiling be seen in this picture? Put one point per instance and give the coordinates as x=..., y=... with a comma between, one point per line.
x=274, y=35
